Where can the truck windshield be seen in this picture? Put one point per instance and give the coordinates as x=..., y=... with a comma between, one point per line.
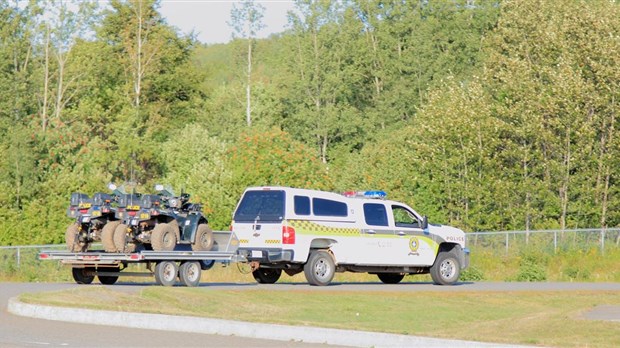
x=264, y=206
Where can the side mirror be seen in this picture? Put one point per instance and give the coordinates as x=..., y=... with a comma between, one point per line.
x=159, y=187
x=424, y=222
x=112, y=187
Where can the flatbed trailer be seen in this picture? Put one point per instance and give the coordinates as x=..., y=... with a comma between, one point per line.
x=164, y=265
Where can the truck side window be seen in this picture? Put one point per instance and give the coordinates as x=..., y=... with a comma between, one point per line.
x=375, y=214
x=327, y=207
x=302, y=205
x=404, y=218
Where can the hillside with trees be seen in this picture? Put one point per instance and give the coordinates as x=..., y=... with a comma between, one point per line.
x=486, y=115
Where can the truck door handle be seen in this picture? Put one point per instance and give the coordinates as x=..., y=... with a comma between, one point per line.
x=401, y=233
x=371, y=232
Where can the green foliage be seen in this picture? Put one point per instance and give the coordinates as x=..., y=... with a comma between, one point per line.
x=532, y=268
x=497, y=116
x=471, y=274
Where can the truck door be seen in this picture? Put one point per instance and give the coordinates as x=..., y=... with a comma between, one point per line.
x=377, y=239
x=414, y=246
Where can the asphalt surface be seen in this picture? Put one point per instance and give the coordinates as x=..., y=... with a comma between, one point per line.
x=16, y=331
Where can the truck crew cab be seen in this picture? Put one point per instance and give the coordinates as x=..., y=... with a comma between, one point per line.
x=320, y=233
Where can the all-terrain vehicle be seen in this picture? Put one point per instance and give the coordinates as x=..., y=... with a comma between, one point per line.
x=92, y=217
x=162, y=221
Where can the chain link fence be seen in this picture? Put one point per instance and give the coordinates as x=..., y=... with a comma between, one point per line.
x=550, y=241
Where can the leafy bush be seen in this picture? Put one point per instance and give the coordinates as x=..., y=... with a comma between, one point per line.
x=472, y=274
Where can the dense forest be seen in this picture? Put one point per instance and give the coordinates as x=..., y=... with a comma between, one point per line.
x=488, y=115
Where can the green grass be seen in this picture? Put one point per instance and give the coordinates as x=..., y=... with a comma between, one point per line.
x=542, y=318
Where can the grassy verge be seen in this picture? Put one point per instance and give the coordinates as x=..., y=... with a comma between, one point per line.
x=541, y=318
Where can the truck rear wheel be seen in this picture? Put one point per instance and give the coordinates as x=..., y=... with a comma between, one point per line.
x=72, y=239
x=390, y=278
x=107, y=236
x=267, y=275
x=80, y=275
x=163, y=237
x=108, y=280
x=120, y=240
x=320, y=268
x=204, y=238
x=166, y=273
x=446, y=269
x=189, y=273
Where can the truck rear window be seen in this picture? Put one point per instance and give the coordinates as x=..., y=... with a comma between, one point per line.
x=264, y=206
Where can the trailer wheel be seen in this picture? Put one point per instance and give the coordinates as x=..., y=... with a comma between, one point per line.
x=320, y=268
x=80, y=276
x=108, y=280
x=120, y=240
x=390, y=278
x=166, y=273
x=189, y=273
x=267, y=275
x=204, y=238
x=446, y=269
x=107, y=236
x=72, y=239
x=163, y=237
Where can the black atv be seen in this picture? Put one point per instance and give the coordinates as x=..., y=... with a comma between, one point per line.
x=165, y=220
x=93, y=217
x=128, y=208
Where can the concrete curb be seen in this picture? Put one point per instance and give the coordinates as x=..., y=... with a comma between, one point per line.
x=233, y=328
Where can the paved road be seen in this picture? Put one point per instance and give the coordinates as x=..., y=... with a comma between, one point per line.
x=16, y=331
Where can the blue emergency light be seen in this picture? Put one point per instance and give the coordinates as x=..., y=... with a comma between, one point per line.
x=366, y=194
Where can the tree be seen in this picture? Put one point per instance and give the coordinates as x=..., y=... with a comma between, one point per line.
x=246, y=22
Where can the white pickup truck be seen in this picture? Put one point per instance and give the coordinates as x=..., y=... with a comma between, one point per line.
x=320, y=233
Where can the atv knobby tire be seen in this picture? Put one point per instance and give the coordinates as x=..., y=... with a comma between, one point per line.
x=120, y=240
x=107, y=236
x=204, y=238
x=163, y=237
x=72, y=238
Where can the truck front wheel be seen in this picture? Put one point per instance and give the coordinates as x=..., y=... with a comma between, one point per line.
x=267, y=275
x=320, y=268
x=446, y=269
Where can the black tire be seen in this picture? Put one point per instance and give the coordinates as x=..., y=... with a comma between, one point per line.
x=446, y=269
x=163, y=237
x=107, y=236
x=166, y=273
x=267, y=275
x=390, y=278
x=204, y=238
x=320, y=268
x=120, y=240
x=72, y=239
x=108, y=280
x=189, y=273
x=80, y=276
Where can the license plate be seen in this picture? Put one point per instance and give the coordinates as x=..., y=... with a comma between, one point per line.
x=85, y=219
x=145, y=216
x=135, y=222
x=96, y=213
x=84, y=205
x=257, y=254
x=133, y=207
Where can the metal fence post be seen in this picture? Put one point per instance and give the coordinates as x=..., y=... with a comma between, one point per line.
x=603, y=241
x=18, y=257
x=506, y=244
